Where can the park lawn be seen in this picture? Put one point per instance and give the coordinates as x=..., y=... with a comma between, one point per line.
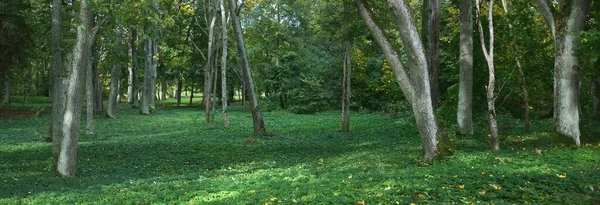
x=172, y=157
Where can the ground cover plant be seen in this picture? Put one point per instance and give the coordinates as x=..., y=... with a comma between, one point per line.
x=303, y=159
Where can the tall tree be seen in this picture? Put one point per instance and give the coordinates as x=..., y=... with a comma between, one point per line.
x=67, y=159
x=489, y=58
x=414, y=83
x=566, y=19
x=209, y=69
x=224, y=39
x=149, y=88
x=430, y=32
x=257, y=118
x=132, y=90
x=464, y=112
x=115, y=76
x=57, y=79
x=346, y=89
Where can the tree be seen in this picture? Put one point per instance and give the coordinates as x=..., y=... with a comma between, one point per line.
x=414, y=83
x=257, y=118
x=430, y=32
x=224, y=38
x=346, y=90
x=132, y=90
x=464, y=114
x=209, y=69
x=115, y=76
x=57, y=79
x=565, y=20
x=67, y=159
x=149, y=88
x=489, y=58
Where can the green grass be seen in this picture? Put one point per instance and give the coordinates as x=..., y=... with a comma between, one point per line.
x=172, y=157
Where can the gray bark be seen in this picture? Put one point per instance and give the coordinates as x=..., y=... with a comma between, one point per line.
x=89, y=86
x=464, y=113
x=99, y=102
x=149, y=89
x=114, y=91
x=67, y=158
x=209, y=69
x=6, y=88
x=489, y=57
x=178, y=92
x=415, y=85
x=132, y=90
x=57, y=79
x=565, y=23
x=224, y=39
x=257, y=118
x=346, y=90
x=430, y=35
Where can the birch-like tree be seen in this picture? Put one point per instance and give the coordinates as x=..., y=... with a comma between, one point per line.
x=257, y=118
x=489, y=58
x=57, y=77
x=566, y=19
x=464, y=112
x=414, y=81
x=224, y=38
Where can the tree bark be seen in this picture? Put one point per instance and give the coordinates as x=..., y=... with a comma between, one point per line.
x=178, y=92
x=67, y=159
x=209, y=68
x=565, y=23
x=89, y=86
x=6, y=87
x=257, y=118
x=98, y=99
x=430, y=35
x=114, y=91
x=346, y=90
x=224, y=21
x=163, y=92
x=464, y=114
x=57, y=79
x=132, y=90
x=414, y=85
x=489, y=57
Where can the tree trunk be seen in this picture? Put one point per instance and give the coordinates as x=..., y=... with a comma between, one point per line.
x=98, y=99
x=178, y=92
x=513, y=44
x=489, y=57
x=596, y=91
x=163, y=92
x=114, y=91
x=132, y=90
x=565, y=23
x=430, y=35
x=209, y=68
x=192, y=95
x=464, y=114
x=346, y=90
x=89, y=86
x=149, y=90
x=67, y=159
x=224, y=21
x=57, y=78
x=257, y=118
x=416, y=87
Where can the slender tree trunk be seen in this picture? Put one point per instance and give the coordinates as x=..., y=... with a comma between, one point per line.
x=513, y=44
x=98, y=99
x=464, y=114
x=192, y=95
x=147, y=93
x=132, y=90
x=163, y=93
x=415, y=84
x=565, y=23
x=6, y=88
x=114, y=91
x=430, y=35
x=57, y=79
x=224, y=38
x=346, y=90
x=257, y=118
x=89, y=86
x=596, y=91
x=209, y=69
x=67, y=159
x=178, y=92
x=489, y=56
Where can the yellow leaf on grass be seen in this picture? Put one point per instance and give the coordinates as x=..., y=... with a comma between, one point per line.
x=562, y=176
x=461, y=186
x=361, y=202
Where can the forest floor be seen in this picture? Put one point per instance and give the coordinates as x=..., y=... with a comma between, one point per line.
x=173, y=157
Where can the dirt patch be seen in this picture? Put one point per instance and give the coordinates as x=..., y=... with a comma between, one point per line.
x=7, y=114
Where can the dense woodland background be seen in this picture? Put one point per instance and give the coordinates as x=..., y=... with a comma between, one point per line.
x=490, y=70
